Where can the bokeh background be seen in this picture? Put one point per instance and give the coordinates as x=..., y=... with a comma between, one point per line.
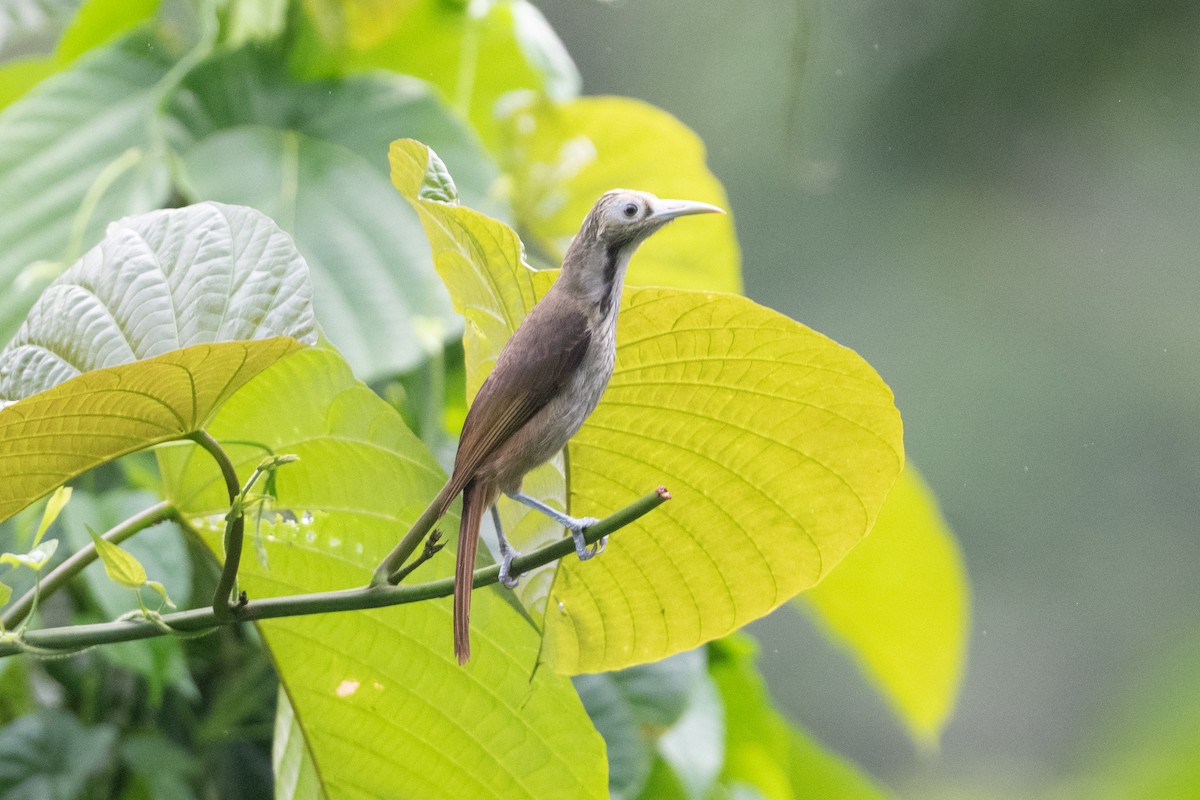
x=996, y=203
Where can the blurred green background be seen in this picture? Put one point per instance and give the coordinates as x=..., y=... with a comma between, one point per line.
x=996, y=204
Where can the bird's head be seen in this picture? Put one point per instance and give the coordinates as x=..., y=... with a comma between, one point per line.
x=620, y=221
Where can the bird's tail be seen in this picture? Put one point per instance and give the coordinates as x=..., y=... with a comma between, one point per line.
x=474, y=501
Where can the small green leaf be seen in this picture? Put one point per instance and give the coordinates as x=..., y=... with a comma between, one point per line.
x=120, y=566
x=35, y=559
x=162, y=591
x=54, y=506
x=5, y=593
x=900, y=603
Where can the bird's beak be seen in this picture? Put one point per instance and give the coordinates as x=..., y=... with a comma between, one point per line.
x=666, y=210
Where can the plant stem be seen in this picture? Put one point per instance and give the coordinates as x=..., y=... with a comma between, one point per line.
x=235, y=524
x=153, y=515
x=79, y=636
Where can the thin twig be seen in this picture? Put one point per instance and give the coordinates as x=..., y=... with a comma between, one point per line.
x=433, y=546
x=81, y=636
x=235, y=526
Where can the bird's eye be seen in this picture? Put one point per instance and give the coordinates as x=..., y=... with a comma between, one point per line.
x=630, y=210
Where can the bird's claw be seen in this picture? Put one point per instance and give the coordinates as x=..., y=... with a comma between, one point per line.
x=508, y=580
x=582, y=548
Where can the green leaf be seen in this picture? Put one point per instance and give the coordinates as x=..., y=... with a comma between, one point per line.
x=120, y=566
x=778, y=444
x=762, y=750
x=161, y=549
x=162, y=592
x=295, y=771
x=312, y=155
x=51, y=437
x=476, y=54
x=54, y=506
x=694, y=747
x=35, y=559
x=900, y=603
x=19, y=76
x=5, y=593
x=382, y=704
x=94, y=23
x=563, y=156
x=79, y=152
x=625, y=748
x=50, y=755
x=32, y=25
x=99, y=21
x=159, y=282
x=633, y=707
x=1145, y=742
x=162, y=768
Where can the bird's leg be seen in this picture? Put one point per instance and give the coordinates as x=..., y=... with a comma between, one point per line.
x=507, y=553
x=575, y=525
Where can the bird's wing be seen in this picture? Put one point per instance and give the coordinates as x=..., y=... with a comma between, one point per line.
x=534, y=367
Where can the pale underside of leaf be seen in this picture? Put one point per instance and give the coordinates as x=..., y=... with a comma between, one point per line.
x=160, y=282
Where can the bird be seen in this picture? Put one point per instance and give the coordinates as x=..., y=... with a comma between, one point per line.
x=547, y=380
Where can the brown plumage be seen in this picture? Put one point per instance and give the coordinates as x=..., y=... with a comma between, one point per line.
x=548, y=379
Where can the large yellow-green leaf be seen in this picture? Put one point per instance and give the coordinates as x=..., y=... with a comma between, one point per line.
x=900, y=603
x=778, y=444
x=563, y=156
x=53, y=436
x=475, y=52
x=384, y=708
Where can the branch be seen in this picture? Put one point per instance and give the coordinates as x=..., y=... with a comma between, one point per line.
x=153, y=515
x=71, y=638
x=235, y=525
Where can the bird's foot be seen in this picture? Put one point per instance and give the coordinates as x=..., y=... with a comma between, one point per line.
x=582, y=548
x=507, y=579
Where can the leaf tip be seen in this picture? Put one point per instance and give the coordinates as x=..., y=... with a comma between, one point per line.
x=420, y=174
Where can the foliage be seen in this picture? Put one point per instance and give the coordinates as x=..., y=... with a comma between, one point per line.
x=192, y=330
